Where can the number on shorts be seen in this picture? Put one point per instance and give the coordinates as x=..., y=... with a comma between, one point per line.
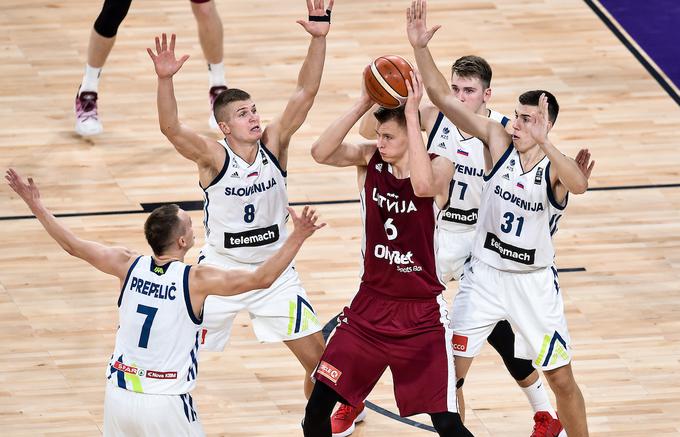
x=509, y=223
x=249, y=213
x=150, y=313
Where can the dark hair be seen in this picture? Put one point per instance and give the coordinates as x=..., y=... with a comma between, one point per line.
x=383, y=115
x=226, y=97
x=473, y=66
x=531, y=98
x=162, y=227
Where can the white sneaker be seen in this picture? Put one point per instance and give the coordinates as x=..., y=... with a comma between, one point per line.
x=87, y=119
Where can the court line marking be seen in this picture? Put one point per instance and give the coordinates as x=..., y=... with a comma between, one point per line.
x=638, y=52
x=197, y=205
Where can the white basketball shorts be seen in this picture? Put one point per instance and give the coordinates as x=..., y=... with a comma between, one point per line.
x=281, y=312
x=531, y=302
x=453, y=249
x=127, y=413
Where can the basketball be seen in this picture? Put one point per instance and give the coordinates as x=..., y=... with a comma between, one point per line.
x=385, y=80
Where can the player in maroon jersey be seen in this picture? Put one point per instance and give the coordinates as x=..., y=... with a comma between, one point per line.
x=398, y=319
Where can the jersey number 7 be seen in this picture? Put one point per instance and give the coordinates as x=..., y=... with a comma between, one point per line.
x=146, y=327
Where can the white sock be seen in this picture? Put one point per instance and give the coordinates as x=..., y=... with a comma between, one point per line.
x=90, y=79
x=538, y=398
x=216, y=73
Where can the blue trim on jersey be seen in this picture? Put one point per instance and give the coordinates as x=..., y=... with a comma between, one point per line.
x=440, y=117
x=274, y=160
x=551, y=195
x=505, y=121
x=500, y=162
x=206, y=214
x=193, y=368
x=120, y=376
x=187, y=298
x=122, y=289
x=221, y=173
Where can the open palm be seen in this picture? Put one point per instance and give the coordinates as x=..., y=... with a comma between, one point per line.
x=416, y=24
x=164, y=59
x=315, y=8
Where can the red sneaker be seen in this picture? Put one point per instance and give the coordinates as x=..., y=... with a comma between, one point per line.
x=345, y=419
x=545, y=425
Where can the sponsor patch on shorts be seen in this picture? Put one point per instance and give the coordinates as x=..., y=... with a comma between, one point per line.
x=459, y=343
x=329, y=372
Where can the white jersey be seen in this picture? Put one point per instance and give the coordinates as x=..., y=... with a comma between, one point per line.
x=518, y=216
x=157, y=341
x=467, y=153
x=245, y=207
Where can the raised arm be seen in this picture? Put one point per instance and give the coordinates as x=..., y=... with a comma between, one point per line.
x=566, y=175
x=426, y=181
x=206, y=153
x=492, y=133
x=211, y=280
x=368, y=124
x=112, y=260
x=330, y=148
x=280, y=131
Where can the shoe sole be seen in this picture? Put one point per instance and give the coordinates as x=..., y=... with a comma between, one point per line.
x=350, y=430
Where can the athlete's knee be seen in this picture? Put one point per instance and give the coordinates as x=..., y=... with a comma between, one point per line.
x=519, y=369
x=449, y=425
x=562, y=381
x=112, y=14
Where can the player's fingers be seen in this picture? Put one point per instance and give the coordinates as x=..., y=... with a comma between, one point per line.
x=310, y=6
x=434, y=29
x=330, y=5
x=150, y=52
x=158, y=45
x=319, y=226
x=164, y=41
x=424, y=10
x=183, y=59
x=305, y=211
x=292, y=213
x=173, y=37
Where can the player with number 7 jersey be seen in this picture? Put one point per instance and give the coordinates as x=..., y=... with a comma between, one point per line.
x=155, y=361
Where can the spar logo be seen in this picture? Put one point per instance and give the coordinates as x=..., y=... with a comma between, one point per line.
x=459, y=343
x=329, y=372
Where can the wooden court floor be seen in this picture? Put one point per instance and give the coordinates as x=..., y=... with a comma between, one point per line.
x=58, y=316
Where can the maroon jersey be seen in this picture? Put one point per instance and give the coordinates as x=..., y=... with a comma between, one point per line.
x=399, y=237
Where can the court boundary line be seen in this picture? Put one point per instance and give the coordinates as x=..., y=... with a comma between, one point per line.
x=638, y=52
x=197, y=205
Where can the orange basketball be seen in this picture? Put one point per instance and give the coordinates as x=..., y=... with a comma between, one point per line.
x=385, y=80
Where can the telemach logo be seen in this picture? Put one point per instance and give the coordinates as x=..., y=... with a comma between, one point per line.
x=508, y=251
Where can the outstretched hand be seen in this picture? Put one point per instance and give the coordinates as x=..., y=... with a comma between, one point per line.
x=164, y=59
x=584, y=164
x=320, y=18
x=305, y=223
x=416, y=26
x=27, y=191
x=540, y=122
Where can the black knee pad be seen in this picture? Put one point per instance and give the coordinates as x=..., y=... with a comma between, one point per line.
x=449, y=425
x=112, y=14
x=503, y=340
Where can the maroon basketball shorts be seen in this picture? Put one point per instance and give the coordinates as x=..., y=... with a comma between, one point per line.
x=412, y=338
